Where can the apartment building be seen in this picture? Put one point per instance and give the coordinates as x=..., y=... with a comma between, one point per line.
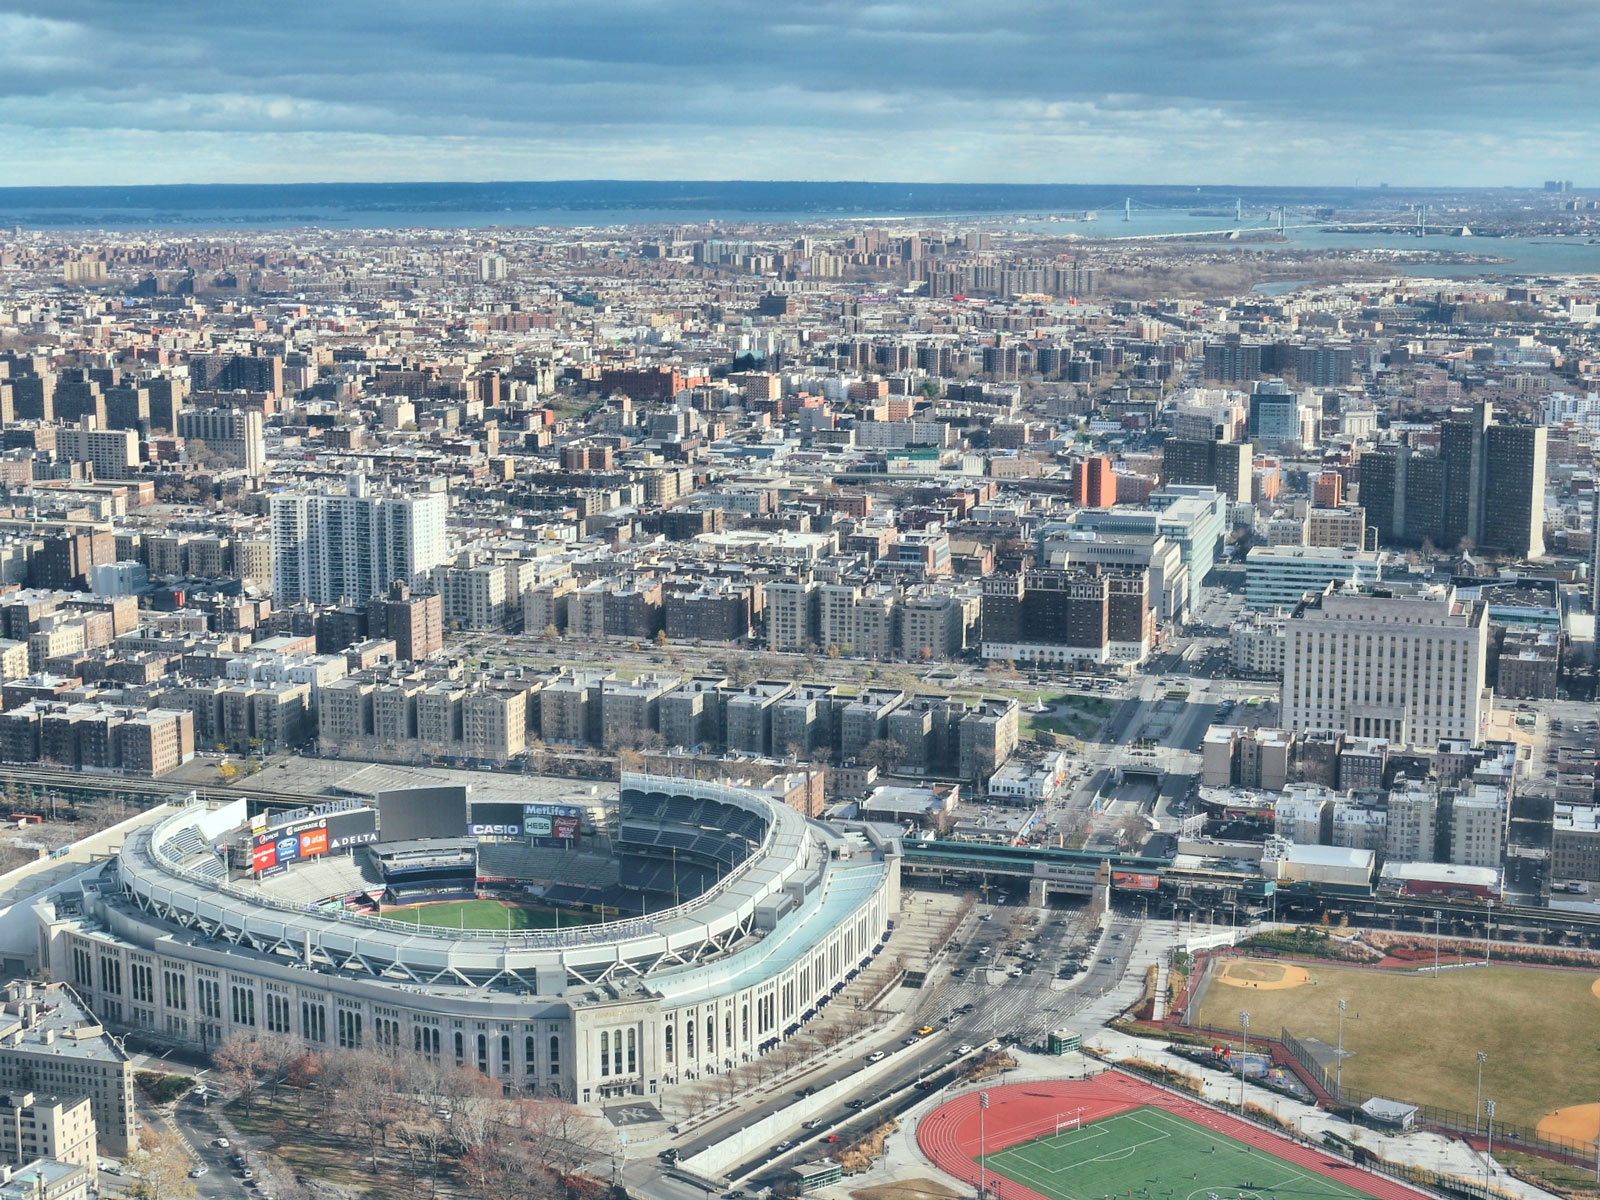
x=52, y=1044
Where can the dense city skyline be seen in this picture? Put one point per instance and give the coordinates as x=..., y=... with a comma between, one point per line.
x=1253, y=93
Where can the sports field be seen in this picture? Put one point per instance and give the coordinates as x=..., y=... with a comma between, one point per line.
x=1411, y=1036
x=1150, y=1153
x=486, y=914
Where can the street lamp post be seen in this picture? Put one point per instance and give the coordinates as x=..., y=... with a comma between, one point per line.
x=1483, y=1057
x=1244, y=1024
x=1437, y=917
x=1338, y=1059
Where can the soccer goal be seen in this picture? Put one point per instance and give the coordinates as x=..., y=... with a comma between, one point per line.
x=1066, y=1123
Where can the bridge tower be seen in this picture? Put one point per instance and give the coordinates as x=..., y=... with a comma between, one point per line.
x=1127, y=209
x=1238, y=209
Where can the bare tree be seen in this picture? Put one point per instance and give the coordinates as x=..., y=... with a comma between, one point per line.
x=158, y=1169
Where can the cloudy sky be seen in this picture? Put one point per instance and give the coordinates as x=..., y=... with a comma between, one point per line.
x=1471, y=92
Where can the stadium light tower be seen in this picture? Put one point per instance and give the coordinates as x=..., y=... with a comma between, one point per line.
x=1244, y=1024
x=1488, y=1158
x=1483, y=1057
x=1338, y=1058
x=983, y=1161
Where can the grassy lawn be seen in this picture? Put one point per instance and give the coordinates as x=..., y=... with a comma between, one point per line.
x=302, y=1143
x=1410, y=1036
x=485, y=914
x=1073, y=715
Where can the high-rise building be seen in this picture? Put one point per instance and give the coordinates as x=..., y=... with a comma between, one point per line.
x=1080, y=615
x=236, y=436
x=1325, y=366
x=1403, y=664
x=1594, y=555
x=333, y=548
x=1279, y=416
x=1483, y=489
x=1232, y=361
x=1093, y=483
x=1225, y=466
x=1513, y=517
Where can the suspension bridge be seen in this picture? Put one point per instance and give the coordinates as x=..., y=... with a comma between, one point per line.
x=1279, y=220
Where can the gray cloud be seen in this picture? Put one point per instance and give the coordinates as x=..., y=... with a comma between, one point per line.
x=1248, y=91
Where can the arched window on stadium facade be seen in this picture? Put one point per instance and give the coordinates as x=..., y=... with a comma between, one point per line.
x=632, y=1052
x=530, y=1059
x=711, y=1035
x=616, y=1054
x=668, y=1038
x=727, y=1029
x=505, y=1055
x=605, y=1052
x=555, y=1055
x=744, y=1024
x=483, y=1053
x=688, y=1037
x=461, y=1047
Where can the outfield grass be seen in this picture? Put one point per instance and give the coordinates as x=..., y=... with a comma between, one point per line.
x=485, y=914
x=1410, y=1036
x=1153, y=1154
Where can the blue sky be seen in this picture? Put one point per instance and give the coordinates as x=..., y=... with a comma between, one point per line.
x=1249, y=92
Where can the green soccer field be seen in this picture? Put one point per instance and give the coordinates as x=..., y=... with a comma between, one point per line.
x=485, y=914
x=1151, y=1154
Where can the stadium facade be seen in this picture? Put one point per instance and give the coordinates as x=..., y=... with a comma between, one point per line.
x=210, y=923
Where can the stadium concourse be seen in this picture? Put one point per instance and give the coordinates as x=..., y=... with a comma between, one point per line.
x=726, y=922
x=1114, y=1135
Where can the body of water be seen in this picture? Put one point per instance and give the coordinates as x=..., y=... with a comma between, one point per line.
x=599, y=203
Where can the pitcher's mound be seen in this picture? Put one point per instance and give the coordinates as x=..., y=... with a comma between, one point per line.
x=1580, y=1123
x=1263, y=976
x=1595, y=988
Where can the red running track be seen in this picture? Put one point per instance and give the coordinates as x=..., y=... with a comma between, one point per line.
x=1020, y=1112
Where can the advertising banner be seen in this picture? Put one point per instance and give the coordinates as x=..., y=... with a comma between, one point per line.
x=1132, y=882
x=264, y=857
x=564, y=827
x=313, y=842
x=288, y=848
x=550, y=810
x=537, y=826
x=344, y=841
x=494, y=831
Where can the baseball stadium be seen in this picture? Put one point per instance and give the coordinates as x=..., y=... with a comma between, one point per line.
x=682, y=930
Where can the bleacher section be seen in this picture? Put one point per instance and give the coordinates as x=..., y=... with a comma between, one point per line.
x=516, y=860
x=186, y=841
x=675, y=847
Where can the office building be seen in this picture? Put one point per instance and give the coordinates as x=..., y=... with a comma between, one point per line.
x=1194, y=518
x=1403, y=664
x=1280, y=576
x=1280, y=416
x=330, y=548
